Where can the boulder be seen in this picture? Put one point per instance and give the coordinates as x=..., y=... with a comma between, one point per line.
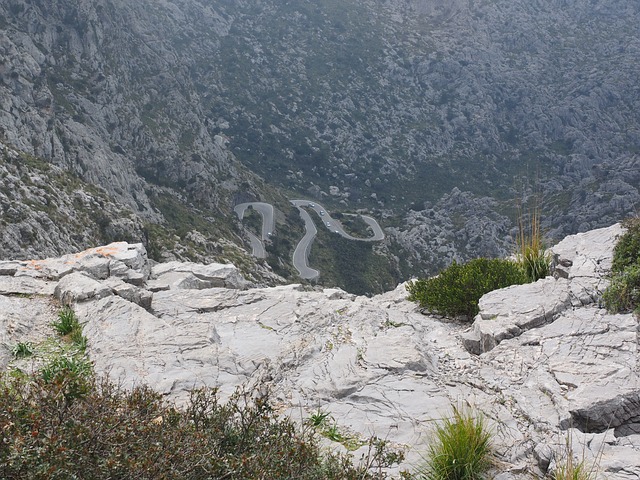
x=130, y=292
x=25, y=286
x=79, y=287
x=95, y=262
x=178, y=275
x=508, y=312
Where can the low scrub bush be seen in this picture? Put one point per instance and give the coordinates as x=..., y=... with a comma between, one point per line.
x=460, y=450
x=455, y=292
x=627, y=250
x=108, y=432
x=623, y=294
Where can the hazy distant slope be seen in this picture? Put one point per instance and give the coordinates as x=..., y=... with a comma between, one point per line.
x=337, y=93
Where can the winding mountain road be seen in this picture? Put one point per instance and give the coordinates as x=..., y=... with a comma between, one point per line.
x=268, y=225
x=301, y=253
x=335, y=225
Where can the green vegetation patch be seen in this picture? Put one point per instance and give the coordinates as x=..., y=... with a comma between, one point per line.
x=532, y=255
x=68, y=326
x=280, y=247
x=623, y=294
x=461, y=448
x=352, y=265
x=22, y=349
x=455, y=292
x=116, y=433
x=354, y=225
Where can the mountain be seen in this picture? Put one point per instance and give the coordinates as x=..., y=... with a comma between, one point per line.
x=438, y=118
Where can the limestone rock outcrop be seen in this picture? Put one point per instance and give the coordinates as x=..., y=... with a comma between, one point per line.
x=548, y=362
x=580, y=264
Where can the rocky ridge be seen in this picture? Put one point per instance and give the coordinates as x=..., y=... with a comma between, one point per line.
x=563, y=367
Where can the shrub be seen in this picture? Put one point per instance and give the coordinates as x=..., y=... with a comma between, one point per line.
x=461, y=449
x=623, y=294
x=109, y=432
x=627, y=250
x=455, y=292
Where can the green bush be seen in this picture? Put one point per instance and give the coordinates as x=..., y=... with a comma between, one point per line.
x=455, y=292
x=108, y=432
x=623, y=294
x=461, y=448
x=627, y=250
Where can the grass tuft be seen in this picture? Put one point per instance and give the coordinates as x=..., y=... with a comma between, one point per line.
x=319, y=419
x=22, y=350
x=70, y=374
x=68, y=325
x=531, y=252
x=324, y=424
x=569, y=468
x=66, y=322
x=461, y=448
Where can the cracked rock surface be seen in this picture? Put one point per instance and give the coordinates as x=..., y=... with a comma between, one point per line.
x=558, y=365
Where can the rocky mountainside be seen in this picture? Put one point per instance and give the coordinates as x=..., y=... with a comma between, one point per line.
x=422, y=112
x=47, y=211
x=542, y=361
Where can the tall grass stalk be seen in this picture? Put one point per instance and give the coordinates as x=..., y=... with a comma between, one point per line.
x=531, y=252
x=569, y=468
